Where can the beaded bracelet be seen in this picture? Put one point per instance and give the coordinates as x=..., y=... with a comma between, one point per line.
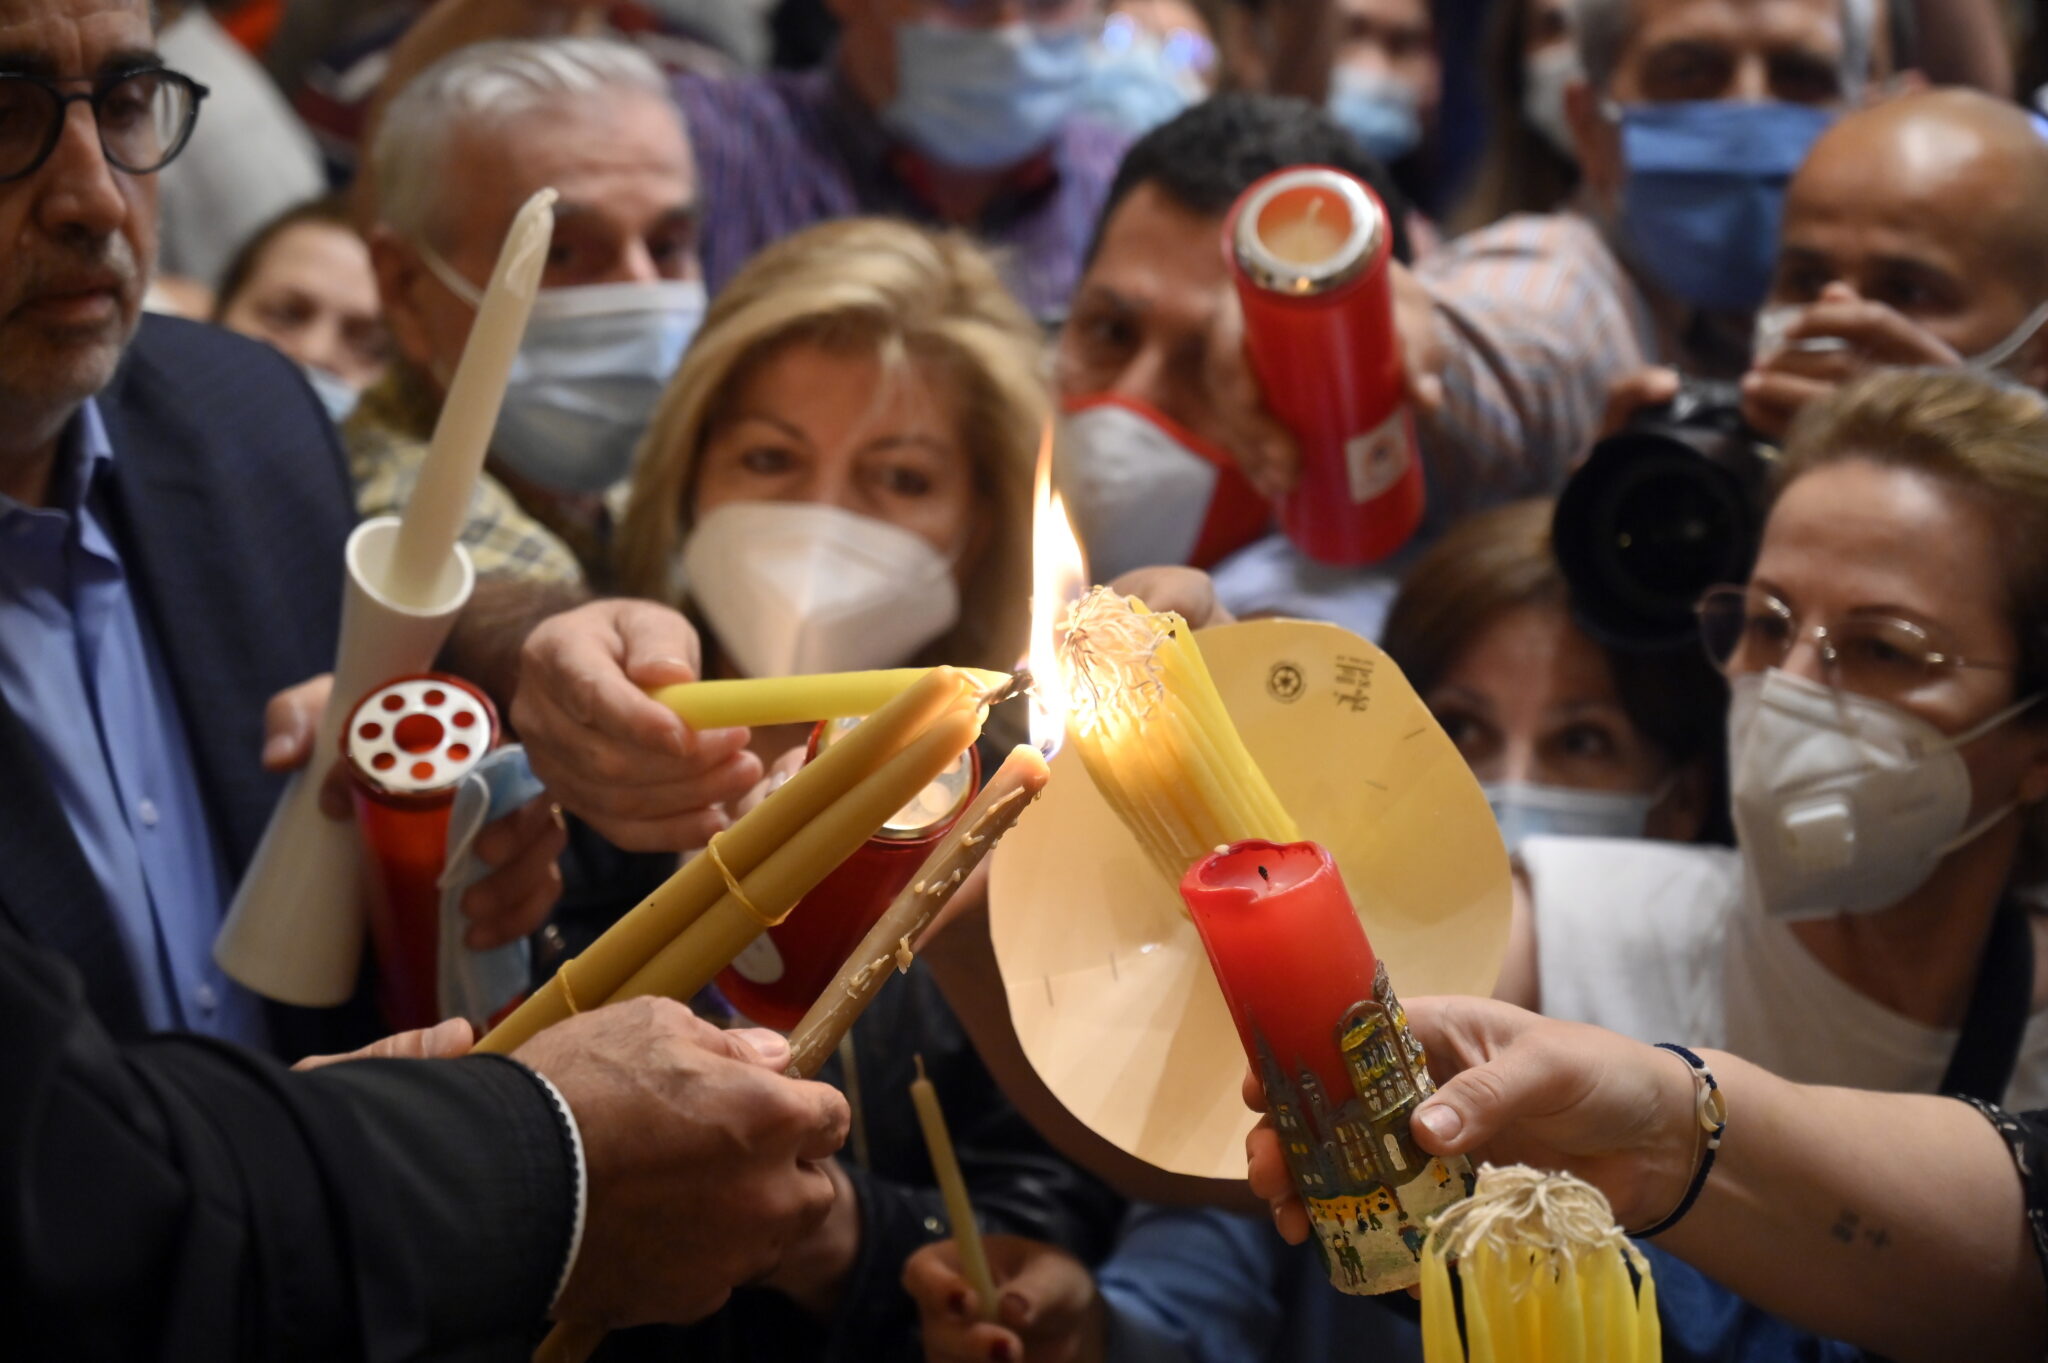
x=1711, y=1108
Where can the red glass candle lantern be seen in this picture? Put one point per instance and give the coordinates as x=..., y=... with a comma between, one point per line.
x=1309, y=248
x=1331, y=1045
x=780, y=975
x=408, y=744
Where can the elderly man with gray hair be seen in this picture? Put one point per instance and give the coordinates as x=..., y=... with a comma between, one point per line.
x=1689, y=120
x=454, y=158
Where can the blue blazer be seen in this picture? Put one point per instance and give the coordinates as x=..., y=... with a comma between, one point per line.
x=230, y=505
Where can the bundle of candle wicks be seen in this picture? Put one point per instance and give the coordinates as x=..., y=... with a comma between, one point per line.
x=1152, y=731
x=1543, y=1272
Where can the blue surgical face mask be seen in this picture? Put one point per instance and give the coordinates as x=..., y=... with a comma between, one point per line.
x=1377, y=109
x=1526, y=810
x=1704, y=191
x=1136, y=82
x=336, y=393
x=985, y=98
x=592, y=365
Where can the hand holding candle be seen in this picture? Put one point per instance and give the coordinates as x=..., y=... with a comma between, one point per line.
x=1330, y=1043
x=953, y=1187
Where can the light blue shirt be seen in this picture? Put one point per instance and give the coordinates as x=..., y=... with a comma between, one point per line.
x=78, y=667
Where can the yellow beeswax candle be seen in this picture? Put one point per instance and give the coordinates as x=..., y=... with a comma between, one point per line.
x=1152, y=731
x=593, y=977
x=953, y=1187
x=888, y=945
x=707, y=946
x=1543, y=1274
x=759, y=702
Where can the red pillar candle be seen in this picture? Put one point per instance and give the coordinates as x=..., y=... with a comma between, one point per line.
x=1311, y=248
x=1330, y=1043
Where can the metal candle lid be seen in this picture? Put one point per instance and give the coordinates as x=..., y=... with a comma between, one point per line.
x=1307, y=231
x=420, y=735
x=933, y=807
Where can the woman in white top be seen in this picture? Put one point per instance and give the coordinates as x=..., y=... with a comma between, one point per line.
x=1888, y=759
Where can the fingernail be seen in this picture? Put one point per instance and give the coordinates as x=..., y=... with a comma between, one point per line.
x=1015, y=1307
x=1441, y=1121
x=278, y=748
x=1001, y=1351
x=956, y=1304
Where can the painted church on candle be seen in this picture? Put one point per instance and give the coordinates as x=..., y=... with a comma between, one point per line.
x=1368, y=1186
x=1351, y=1144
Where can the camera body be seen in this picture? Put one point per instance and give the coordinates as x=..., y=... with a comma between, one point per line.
x=1667, y=507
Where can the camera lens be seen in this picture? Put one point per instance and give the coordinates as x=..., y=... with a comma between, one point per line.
x=1651, y=521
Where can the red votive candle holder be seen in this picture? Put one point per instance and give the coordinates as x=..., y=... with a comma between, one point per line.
x=408, y=744
x=1331, y=1046
x=1311, y=249
x=783, y=971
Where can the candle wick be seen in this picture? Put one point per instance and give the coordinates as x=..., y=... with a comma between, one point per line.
x=1263, y=876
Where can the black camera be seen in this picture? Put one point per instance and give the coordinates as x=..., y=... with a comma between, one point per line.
x=1661, y=511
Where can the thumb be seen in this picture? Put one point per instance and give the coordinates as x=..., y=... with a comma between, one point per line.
x=1048, y=1289
x=658, y=647
x=289, y=723
x=1476, y=1105
x=758, y=1046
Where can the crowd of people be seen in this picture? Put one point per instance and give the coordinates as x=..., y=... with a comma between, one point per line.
x=822, y=272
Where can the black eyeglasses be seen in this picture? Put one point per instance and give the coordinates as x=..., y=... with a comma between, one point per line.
x=144, y=118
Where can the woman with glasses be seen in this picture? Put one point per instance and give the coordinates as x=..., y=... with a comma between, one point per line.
x=1888, y=760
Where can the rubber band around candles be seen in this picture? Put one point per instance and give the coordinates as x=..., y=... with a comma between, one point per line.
x=732, y=885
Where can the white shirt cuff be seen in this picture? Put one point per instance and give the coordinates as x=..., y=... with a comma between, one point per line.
x=582, y=1183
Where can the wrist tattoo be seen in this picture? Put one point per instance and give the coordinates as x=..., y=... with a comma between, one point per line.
x=1850, y=1228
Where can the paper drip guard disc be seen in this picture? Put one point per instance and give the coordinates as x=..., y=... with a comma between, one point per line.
x=1109, y=989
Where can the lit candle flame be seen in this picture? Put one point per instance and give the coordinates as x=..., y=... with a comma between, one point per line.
x=1059, y=577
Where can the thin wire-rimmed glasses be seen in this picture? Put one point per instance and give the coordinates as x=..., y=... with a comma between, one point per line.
x=1747, y=629
x=144, y=119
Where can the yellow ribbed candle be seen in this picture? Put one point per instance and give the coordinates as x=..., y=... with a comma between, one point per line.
x=1145, y=716
x=1544, y=1274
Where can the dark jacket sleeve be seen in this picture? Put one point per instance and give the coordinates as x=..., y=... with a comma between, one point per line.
x=180, y=1198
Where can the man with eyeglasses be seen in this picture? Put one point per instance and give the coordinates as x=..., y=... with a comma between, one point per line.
x=172, y=514
x=951, y=112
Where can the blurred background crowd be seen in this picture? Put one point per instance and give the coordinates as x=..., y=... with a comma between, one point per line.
x=824, y=270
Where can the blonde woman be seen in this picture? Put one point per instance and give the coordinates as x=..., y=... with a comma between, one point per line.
x=839, y=475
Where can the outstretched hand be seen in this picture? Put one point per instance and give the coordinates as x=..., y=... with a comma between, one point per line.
x=1517, y=1088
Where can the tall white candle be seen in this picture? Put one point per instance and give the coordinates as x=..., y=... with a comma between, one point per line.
x=435, y=513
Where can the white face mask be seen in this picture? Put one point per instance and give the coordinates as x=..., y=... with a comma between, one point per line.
x=1544, y=78
x=1843, y=804
x=590, y=369
x=1524, y=810
x=1139, y=498
x=794, y=588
